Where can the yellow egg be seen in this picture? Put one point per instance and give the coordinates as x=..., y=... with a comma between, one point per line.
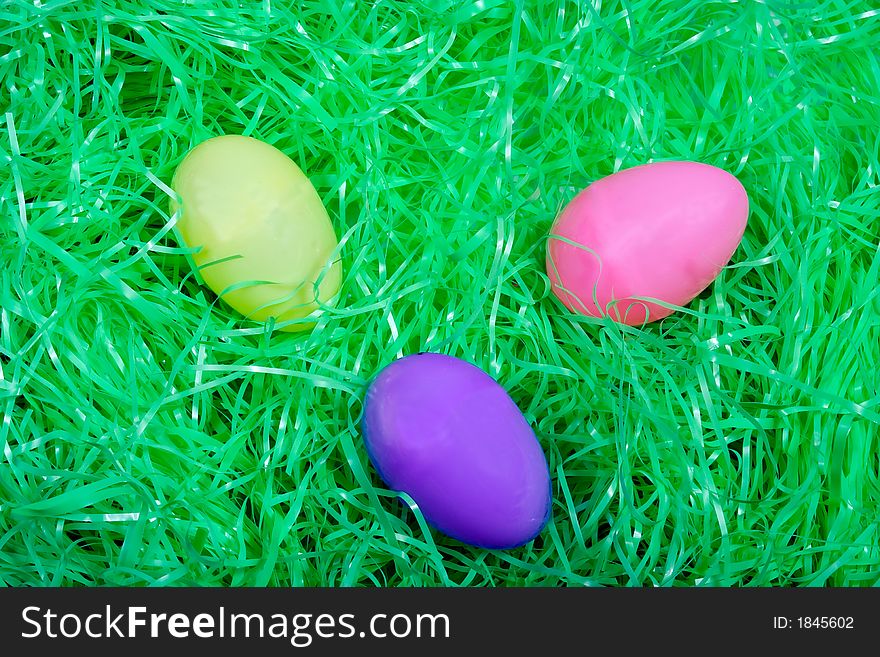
x=263, y=236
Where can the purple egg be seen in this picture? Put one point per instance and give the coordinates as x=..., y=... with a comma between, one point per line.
x=443, y=431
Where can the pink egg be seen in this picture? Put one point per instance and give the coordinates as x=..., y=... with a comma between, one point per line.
x=659, y=231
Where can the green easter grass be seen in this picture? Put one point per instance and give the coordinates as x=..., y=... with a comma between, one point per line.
x=151, y=436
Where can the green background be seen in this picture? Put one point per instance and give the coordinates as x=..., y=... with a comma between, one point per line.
x=151, y=436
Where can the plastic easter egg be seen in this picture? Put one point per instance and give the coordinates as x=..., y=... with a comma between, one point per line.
x=443, y=431
x=659, y=231
x=263, y=236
